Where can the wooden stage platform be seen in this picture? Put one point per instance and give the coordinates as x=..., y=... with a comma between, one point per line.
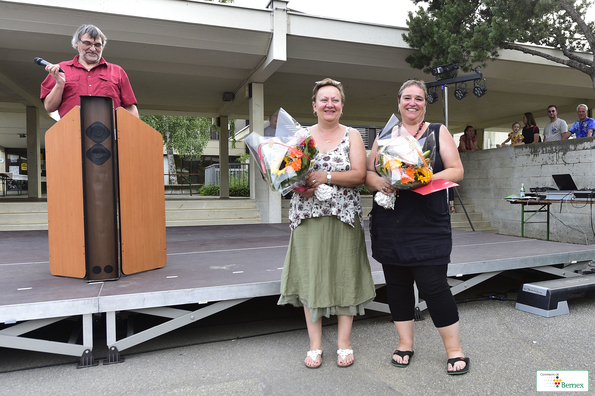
x=213, y=267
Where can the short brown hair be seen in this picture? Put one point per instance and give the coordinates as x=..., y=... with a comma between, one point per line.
x=325, y=83
x=419, y=83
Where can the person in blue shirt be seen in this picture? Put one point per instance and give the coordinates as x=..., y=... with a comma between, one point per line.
x=584, y=126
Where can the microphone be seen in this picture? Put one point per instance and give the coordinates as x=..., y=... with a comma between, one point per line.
x=42, y=62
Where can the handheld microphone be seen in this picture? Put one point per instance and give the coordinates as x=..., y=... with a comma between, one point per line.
x=42, y=62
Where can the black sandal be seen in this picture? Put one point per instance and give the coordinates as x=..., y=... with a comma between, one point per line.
x=452, y=363
x=402, y=354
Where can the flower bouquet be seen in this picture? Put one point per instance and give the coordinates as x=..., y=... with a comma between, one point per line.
x=285, y=159
x=402, y=160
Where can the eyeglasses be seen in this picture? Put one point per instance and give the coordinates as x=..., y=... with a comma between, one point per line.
x=551, y=111
x=88, y=44
x=334, y=82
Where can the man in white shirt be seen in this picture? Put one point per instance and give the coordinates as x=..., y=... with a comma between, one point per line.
x=556, y=129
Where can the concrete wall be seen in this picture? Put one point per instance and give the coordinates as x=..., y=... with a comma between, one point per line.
x=491, y=175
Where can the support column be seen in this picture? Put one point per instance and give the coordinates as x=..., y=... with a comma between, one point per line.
x=33, y=153
x=223, y=157
x=267, y=200
x=480, y=138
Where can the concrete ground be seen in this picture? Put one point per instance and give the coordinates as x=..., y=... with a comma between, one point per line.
x=258, y=348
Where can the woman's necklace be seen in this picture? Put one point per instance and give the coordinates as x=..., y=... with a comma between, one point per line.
x=418, y=129
x=328, y=140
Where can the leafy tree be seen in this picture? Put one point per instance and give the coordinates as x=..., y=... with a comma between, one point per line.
x=186, y=135
x=472, y=32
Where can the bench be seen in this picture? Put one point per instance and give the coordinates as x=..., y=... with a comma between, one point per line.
x=548, y=298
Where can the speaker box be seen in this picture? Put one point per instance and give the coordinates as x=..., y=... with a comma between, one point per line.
x=100, y=194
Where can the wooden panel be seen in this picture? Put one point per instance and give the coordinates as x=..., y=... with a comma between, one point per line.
x=142, y=198
x=65, y=196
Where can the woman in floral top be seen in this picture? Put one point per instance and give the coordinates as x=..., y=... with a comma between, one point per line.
x=326, y=268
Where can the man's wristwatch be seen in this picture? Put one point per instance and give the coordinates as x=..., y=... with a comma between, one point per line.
x=328, y=177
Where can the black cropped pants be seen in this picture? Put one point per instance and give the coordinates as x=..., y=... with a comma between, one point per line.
x=433, y=288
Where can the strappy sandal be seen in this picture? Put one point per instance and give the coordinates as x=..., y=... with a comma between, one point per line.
x=313, y=354
x=343, y=353
x=452, y=363
x=402, y=354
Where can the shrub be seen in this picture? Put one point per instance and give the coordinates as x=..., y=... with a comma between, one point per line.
x=209, y=190
x=235, y=190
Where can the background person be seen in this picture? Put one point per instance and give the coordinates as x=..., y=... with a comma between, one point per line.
x=468, y=141
x=584, y=126
x=272, y=128
x=515, y=137
x=413, y=242
x=556, y=129
x=530, y=130
x=87, y=74
x=326, y=268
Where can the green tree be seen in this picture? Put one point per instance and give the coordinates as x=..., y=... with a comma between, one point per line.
x=472, y=32
x=187, y=136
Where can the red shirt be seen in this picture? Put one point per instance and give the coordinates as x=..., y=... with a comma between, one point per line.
x=105, y=79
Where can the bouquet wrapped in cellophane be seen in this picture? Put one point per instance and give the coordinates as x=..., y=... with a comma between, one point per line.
x=407, y=163
x=285, y=159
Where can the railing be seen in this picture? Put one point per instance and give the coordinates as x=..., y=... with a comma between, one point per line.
x=239, y=174
x=185, y=180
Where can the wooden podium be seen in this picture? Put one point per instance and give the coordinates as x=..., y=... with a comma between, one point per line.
x=106, y=204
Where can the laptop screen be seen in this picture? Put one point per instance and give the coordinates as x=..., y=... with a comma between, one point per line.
x=565, y=182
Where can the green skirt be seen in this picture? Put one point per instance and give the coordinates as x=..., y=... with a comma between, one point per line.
x=327, y=269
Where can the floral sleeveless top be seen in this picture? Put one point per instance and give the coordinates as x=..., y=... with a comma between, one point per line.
x=345, y=202
x=515, y=139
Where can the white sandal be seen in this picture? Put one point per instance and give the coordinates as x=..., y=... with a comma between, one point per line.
x=313, y=354
x=343, y=353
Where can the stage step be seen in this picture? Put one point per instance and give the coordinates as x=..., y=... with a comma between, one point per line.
x=210, y=211
x=179, y=211
x=459, y=221
x=23, y=216
x=548, y=298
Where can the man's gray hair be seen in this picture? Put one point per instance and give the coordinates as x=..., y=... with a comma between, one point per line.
x=92, y=31
x=582, y=105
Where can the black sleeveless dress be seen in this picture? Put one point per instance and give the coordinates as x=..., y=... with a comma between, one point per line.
x=418, y=230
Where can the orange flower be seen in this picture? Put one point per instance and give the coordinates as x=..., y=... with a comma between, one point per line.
x=296, y=164
x=295, y=153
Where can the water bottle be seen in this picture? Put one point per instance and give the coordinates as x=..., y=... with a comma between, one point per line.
x=523, y=190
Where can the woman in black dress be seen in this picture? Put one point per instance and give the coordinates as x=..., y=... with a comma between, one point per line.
x=413, y=242
x=530, y=130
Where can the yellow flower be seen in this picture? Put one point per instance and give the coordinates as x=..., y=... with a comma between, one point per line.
x=275, y=164
x=424, y=175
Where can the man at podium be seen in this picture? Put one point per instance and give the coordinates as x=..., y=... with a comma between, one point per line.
x=87, y=74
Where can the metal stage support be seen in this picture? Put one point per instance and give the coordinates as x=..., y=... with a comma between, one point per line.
x=11, y=338
x=179, y=318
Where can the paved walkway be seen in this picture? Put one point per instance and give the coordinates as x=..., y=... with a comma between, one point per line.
x=257, y=348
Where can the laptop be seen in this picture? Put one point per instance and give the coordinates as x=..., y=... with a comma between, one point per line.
x=566, y=188
x=565, y=182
